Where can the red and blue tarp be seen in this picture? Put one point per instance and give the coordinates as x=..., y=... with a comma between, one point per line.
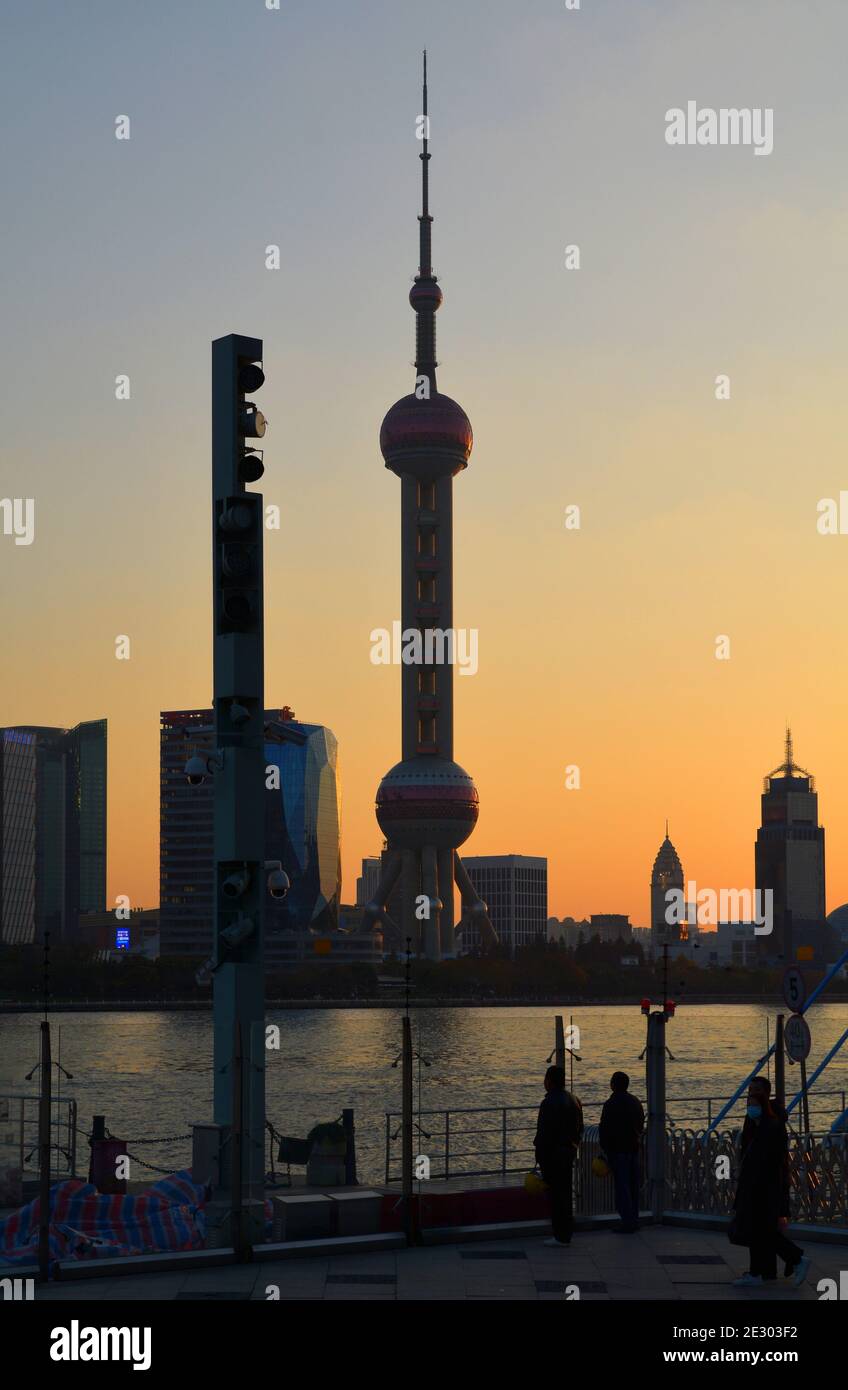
x=87, y=1224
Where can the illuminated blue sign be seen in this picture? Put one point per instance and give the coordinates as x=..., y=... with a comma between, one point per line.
x=122, y=938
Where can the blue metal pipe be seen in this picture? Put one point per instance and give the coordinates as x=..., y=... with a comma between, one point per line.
x=733, y=1099
x=818, y=1071
x=826, y=981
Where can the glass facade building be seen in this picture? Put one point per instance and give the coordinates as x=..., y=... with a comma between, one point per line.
x=52, y=829
x=302, y=831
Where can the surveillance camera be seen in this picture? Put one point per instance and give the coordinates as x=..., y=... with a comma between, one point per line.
x=236, y=884
x=278, y=884
x=196, y=770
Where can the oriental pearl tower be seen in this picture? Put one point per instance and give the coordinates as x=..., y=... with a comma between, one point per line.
x=427, y=805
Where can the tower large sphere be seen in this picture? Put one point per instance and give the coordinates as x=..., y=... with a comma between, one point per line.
x=426, y=438
x=427, y=801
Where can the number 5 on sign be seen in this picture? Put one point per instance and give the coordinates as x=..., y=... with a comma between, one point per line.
x=794, y=988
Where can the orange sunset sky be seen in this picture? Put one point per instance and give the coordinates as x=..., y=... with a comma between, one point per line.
x=593, y=387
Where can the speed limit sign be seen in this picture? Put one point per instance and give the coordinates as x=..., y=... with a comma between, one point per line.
x=794, y=988
x=797, y=1038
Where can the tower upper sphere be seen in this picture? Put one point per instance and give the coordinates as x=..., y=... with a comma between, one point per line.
x=427, y=438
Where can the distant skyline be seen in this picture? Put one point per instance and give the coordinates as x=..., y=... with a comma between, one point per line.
x=596, y=388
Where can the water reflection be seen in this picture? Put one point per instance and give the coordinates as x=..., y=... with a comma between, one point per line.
x=151, y=1074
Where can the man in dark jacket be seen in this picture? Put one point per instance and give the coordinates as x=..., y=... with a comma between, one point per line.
x=558, y=1132
x=622, y=1123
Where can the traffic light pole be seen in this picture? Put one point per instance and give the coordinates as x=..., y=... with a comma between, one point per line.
x=238, y=774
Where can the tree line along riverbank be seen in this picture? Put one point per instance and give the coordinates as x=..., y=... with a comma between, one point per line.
x=592, y=973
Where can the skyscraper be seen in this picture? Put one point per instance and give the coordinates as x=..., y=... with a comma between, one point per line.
x=427, y=805
x=789, y=860
x=302, y=831
x=667, y=875
x=52, y=830
x=515, y=890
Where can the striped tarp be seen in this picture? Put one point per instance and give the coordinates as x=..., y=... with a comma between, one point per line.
x=87, y=1224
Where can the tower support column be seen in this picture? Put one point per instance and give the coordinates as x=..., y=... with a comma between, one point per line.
x=447, y=937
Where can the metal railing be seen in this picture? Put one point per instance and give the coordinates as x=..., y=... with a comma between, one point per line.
x=19, y=1133
x=497, y=1140
x=824, y=1106
x=818, y=1175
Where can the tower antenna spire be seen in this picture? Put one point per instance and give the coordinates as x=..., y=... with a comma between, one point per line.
x=425, y=296
x=425, y=269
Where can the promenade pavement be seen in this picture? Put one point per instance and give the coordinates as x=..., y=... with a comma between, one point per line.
x=657, y=1263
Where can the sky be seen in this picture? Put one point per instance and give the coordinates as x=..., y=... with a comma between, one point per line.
x=593, y=388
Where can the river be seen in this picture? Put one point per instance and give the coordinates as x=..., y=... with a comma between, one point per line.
x=150, y=1074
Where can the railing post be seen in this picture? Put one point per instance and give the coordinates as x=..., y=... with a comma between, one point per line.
x=406, y=1133
x=350, y=1149
x=559, y=1042
x=503, y=1142
x=44, y=1156
x=779, y=1065
x=447, y=1145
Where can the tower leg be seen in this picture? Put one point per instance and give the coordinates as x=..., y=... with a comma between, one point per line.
x=376, y=909
x=475, y=912
x=430, y=889
x=411, y=887
x=446, y=919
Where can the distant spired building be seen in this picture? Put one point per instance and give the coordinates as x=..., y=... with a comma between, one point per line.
x=427, y=805
x=667, y=875
x=789, y=860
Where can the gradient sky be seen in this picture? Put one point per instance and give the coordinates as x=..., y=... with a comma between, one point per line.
x=595, y=387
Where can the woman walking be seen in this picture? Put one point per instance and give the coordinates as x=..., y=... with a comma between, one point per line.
x=762, y=1193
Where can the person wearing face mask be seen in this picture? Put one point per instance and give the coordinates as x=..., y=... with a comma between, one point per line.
x=762, y=1193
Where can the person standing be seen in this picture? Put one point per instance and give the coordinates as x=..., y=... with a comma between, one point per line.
x=620, y=1133
x=762, y=1193
x=558, y=1132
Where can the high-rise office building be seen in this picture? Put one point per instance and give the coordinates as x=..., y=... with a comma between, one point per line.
x=789, y=860
x=366, y=884
x=514, y=887
x=52, y=830
x=302, y=831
